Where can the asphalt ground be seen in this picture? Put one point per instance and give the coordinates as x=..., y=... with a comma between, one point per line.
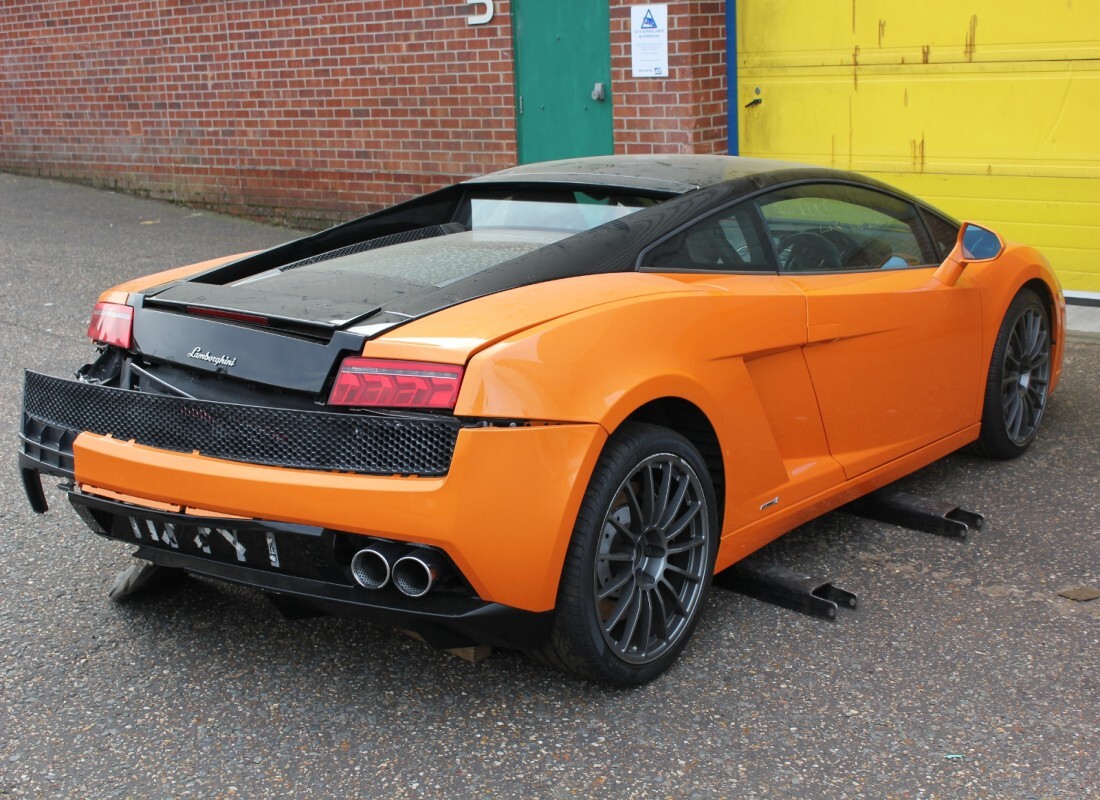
x=962, y=674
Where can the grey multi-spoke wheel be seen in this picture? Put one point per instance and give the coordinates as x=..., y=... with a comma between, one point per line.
x=651, y=561
x=1019, y=379
x=640, y=561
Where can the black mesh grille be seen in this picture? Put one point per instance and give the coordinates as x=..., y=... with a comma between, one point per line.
x=376, y=445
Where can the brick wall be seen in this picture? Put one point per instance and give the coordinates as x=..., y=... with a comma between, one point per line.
x=295, y=110
x=308, y=112
x=685, y=112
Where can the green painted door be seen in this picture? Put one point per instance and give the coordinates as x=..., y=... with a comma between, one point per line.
x=563, y=51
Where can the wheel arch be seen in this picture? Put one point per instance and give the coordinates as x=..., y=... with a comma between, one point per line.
x=690, y=421
x=1021, y=267
x=1056, y=315
x=1012, y=406
x=1040, y=288
x=1050, y=298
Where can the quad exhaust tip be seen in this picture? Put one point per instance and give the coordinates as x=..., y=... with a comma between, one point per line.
x=371, y=566
x=413, y=572
x=370, y=569
x=414, y=575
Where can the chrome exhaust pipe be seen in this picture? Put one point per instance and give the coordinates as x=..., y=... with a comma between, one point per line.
x=414, y=575
x=371, y=566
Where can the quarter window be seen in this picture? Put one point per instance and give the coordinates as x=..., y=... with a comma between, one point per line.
x=944, y=233
x=730, y=241
x=841, y=228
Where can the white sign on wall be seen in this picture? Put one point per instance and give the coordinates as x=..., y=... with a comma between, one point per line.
x=484, y=15
x=649, y=40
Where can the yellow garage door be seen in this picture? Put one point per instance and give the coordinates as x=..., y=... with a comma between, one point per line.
x=989, y=109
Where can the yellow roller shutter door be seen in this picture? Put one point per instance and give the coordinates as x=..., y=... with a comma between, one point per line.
x=988, y=109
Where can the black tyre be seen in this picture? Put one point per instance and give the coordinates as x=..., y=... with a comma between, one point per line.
x=639, y=564
x=1019, y=379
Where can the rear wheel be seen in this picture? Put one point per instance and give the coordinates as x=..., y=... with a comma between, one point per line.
x=1019, y=379
x=640, y=561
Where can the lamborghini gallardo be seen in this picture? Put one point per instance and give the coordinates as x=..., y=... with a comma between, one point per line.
x=539, y=409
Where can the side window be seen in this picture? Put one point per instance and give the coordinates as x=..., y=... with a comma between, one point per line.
x=944, y=233
x=729, y=241
x=841, y=228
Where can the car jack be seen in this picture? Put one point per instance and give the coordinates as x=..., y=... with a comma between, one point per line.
x=780, y=586
x=916, y=513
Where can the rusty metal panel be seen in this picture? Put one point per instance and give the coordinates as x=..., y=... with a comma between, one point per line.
x=988, y=109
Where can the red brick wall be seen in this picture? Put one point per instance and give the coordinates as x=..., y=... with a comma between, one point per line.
x=295, y=110
x=308, y=112
x=685, y=112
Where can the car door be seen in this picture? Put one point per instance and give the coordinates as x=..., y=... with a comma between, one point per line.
x=894, y=355
x=775, y=449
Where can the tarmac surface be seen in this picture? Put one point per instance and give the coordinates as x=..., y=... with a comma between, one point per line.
x=962, y=674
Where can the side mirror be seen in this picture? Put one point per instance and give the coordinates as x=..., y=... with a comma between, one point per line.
x=978, y=243
x=975, y=243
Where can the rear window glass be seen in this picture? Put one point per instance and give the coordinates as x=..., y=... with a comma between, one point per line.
x=565, y=210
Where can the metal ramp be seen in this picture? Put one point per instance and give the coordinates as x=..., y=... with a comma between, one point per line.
x=808, y=594
x=816, y=595
x=917, y=513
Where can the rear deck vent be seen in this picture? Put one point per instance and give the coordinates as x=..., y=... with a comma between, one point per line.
x=382, y=241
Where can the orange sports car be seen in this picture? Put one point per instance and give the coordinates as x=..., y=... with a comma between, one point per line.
x=540, y=408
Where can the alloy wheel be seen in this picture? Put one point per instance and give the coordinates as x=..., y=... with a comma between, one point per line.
x=1026, y=375
x=652, y=558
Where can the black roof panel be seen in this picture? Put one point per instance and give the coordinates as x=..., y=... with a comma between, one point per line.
x=675, y=174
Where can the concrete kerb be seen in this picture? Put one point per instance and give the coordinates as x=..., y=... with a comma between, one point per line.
x=1082, y=323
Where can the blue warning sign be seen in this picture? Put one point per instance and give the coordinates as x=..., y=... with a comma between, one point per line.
x=648, y=21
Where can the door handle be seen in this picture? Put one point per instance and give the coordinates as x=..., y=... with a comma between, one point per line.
x=598, y=92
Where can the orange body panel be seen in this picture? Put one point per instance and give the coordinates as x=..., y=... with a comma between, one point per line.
x=504, y=513
x=737, y=544
x=453, y=335
x=902, y=366
x=120, y=293
x=602, y=364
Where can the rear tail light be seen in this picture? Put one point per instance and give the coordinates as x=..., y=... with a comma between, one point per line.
x=368, y=382
x=112, y=323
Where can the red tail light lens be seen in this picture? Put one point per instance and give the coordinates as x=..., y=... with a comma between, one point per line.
x=368, y=382
x=112, y=323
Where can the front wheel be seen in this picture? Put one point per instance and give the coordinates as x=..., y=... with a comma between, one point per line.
x=1019, y=379
x=640, y=561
